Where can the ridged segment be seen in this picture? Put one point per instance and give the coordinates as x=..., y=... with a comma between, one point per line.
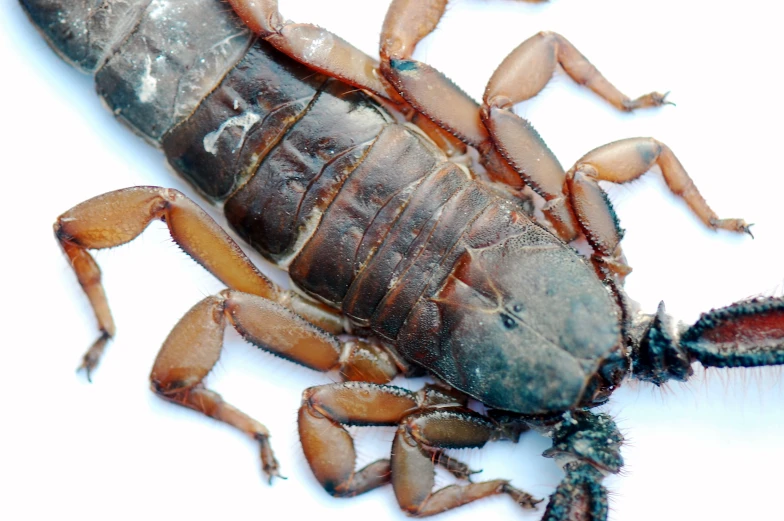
x=395, y=255
x=177, y=53
x=85, y=32
x=428, y=256
x=154, y=60
x=222, y=144
x=322, y=148
x=328, y=264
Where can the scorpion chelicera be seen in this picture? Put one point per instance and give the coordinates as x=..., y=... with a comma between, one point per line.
x=430, y=268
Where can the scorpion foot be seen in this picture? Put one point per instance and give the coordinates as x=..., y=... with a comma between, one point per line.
x=524, y=499
x=269, y=463
x=465, y=473
x=652, y=99
x=733, y=225
x=663, y=99
x=93, y=355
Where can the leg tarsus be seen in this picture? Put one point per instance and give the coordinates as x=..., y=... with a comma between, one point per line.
x=454, y=466
x=93, y=355
x=210, y=403
x=522, y=498
x=652, y=99
x=269, y=464
x=733, y=225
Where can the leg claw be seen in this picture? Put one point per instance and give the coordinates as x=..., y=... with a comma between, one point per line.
x=524, y=499
x=93, y=355
x=653, y=99
x=268, y=462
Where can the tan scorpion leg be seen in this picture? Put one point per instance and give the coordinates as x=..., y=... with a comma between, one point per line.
x=118, y=217
x=575, y=202
x=333, y=56
x=521, y=76
x=425, y=88
x=428, y=422
x=524, y=73
x=528, y=68
x=254, y=306
x=511, y=149
x=621, y=162
x=415, y=447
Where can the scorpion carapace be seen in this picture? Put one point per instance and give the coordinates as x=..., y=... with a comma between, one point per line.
x=427, y=264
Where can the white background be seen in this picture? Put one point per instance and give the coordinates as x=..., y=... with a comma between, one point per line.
x=712, y=449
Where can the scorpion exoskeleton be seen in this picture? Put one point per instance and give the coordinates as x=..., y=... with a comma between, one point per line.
x=355, y=178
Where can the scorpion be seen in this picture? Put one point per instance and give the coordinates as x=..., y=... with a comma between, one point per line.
x=545, y=422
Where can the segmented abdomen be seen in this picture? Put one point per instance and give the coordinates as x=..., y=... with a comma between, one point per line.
x=365, y=213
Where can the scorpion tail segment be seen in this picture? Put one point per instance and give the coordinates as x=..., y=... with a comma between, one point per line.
x=580, y=495
x=745, y=334
x=657, y=356
x=589, y=446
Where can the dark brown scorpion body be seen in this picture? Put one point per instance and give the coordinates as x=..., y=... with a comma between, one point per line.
x=418, y=274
